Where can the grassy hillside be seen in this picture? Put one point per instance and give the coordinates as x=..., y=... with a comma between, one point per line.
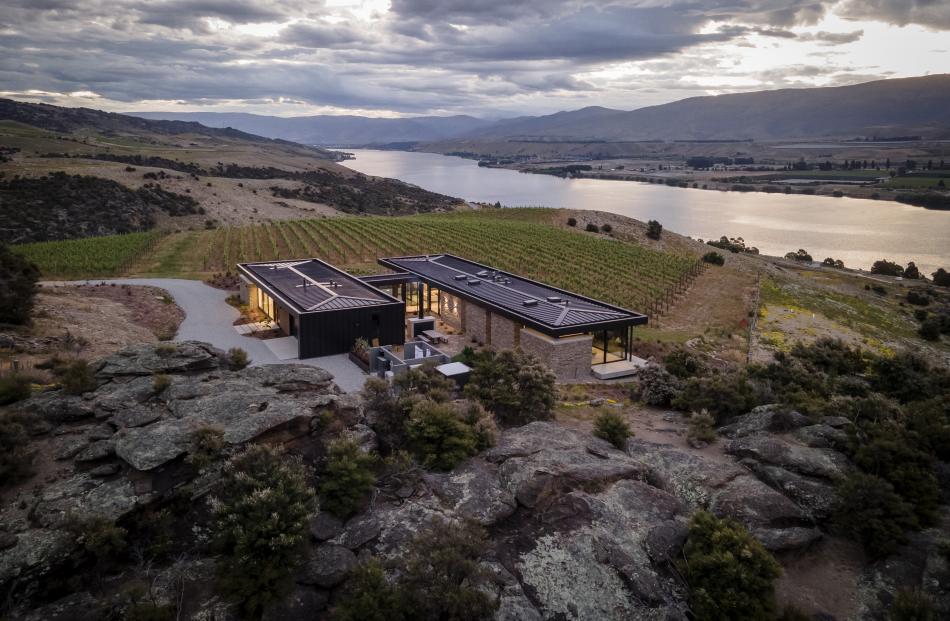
x=623, y=273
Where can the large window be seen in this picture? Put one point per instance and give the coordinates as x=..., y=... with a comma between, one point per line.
x=265, y=303
x=610, y=346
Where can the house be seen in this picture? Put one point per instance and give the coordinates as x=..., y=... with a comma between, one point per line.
x=323, y=307
x=574, y=335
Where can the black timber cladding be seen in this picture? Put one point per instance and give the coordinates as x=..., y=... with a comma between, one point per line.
x=331, y=308
x=545, y=308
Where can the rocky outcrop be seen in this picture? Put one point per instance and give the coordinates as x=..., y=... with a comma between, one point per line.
x=772, y=418
x=168, y=359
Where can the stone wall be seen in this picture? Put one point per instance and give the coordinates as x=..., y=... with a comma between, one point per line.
x=504, y=332
x=476, y=322
x=569, y=357
x=451, y=310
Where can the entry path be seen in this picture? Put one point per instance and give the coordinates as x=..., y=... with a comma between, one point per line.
x=209, y=318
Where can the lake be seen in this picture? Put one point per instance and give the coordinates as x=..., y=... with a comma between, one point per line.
x=857, y=231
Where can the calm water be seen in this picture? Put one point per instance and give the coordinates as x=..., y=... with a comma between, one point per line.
x=856, y=231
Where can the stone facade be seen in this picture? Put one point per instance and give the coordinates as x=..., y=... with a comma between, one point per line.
x=504, y=332
x=452, y=311
x=476, y=322
x=569, y=357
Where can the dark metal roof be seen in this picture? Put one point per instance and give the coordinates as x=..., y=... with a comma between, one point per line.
x=537, y=305
x=392, y=278
x=310, y=285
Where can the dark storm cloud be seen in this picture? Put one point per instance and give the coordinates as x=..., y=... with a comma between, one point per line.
x=422, y=55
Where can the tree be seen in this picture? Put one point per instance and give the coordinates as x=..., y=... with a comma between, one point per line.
x=684, y=364
x=941, y=277
x=801, y=255
x=18, y=287
x=714, y=258
x=730, y=574
x=438, y=436
x=887, y=268
x=654, y=229
x=911, y=272
x=611, y=426
x=261, y=521
x=656, y=386
x=871, y=511
x=516, y=387
x=347, y=480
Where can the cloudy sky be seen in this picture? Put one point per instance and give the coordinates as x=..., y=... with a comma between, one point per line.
x=487, y=58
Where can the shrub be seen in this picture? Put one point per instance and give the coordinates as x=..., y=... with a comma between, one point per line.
x=14, y=387
x=572, y=221
x=893, y=454
x=606, y=228
x=484, y=429
x=722, y=396
x=871, y=511
x=941, y=277
x=516, y=387
x=261, y=509
x=917, y=299
x=98, y=536
x=930, y=421
x=684, y=364
x=160, y=382
x=920, y=314
x=438, y=437
x=391, y=412
x=702, y=429
x=368, y=596
x=347, y=480
x=911, y=605
x=714, y=258
x=930, y=329
x=442, y=577
x=611, y=426
x=77, y=378
x=729, y=573
x=654, y=229
x=911, y=272
x=656, y=386
x=16, y=454
x=18, y=287
x=427, y=382
x=205, y=446
x=907, y=376
x=237, y=359
x=801, y=255
x=832, y=356
x=591, y=228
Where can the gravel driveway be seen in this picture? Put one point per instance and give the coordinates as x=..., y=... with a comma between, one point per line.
x=209, y=318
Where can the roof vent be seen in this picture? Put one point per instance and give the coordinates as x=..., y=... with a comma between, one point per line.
x=530, y=302
x=460, y=277
x=474, y=281
x=554, y=298
x=482, y=273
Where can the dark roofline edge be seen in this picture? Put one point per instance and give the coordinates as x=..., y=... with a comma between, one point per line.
x=635, y=319
x=242, y=267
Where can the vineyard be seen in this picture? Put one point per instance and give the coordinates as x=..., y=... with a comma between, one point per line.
x=92, y=256
x=618, y=272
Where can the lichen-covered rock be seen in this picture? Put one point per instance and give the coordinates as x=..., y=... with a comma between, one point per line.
x=324, y=526
x=36, y=551
x=770, y=449
x=55, y=407
x=772, y=418
x=100, y=449
x=84, y=496
x=74, y=607
x=359, y=531
x=822, y=436
x=169, y=358
x=301, y=604
x=474, y=491
x=327, y=566
x=816, y=496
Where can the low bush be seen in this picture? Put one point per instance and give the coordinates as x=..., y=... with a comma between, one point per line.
x=930, y=329
x=484, y=428
x=347, y=480
x=702, y=429
x=723, y=396
x=912, y=605
x=439, y=438
x=730, y=574
x=160, y=382
x=368, y=596
x=655, y=386
x=572, y=221
x=77, y=378
x=873, y=513
x=261, y=512
x=684, y=364
x=18, y=278
x=206, y=444
x=917, y=299
x=15, y=387
x=606, y=228
x=611, y=426
x=237, y=359
x=516, y=387
x=592, y=228
x=832, y=356
x=99, y=536
x=654, y=229
x=16, y=454
x=714, y=258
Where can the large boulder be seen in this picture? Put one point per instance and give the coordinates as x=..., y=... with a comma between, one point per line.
x=83, y=496
x=327, y=566
x=770, y=449
x=167, y=358
x=727, y=490
x=774, y=418
x=474, y=491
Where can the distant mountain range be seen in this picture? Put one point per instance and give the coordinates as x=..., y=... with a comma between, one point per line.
x=884, y=108
x=331, y=130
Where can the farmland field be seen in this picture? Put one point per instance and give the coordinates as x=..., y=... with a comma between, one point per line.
x=92, y=256
x=623, y=273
